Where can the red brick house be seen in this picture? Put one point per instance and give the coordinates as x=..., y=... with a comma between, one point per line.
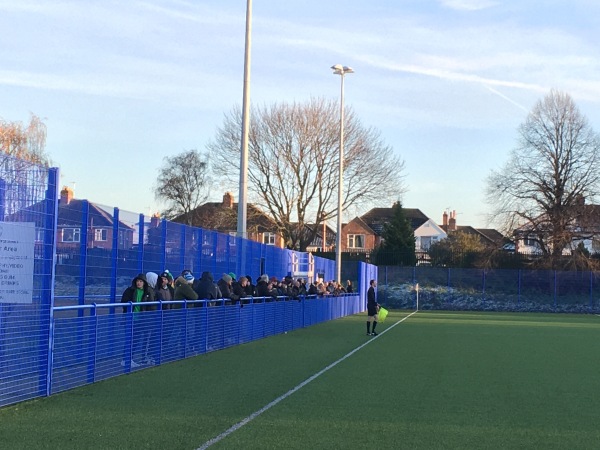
x=222, y=217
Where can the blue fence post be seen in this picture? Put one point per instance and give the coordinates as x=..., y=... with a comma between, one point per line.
x=518, y=286
x=3, y=198
x=182, y=249
x=163, y=245
x=386, y=285
x=49, y=274
x=83, y=248
x=128, y=344
x=115, y=258
x=483, y=284
x=591, y=290
x=555, y=290
x=93, y=348
x=198, y=252
x=140, y=252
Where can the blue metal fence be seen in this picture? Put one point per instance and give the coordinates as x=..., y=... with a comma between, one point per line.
x=491, y=290
x=28, y=201
x=96, y=344
x=64, y=265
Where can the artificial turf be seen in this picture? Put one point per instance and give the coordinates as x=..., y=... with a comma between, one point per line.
x=436, y=380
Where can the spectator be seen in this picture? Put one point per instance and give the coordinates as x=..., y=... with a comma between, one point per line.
x=206, y=287
x=264, y=288
x=330, y=288
x=138, y=292
x=312, y=289
x=183, y=287
x=321, y=291
x=152, y=278
x=164, y=291
x=349, y=287
x=250, y=288
x=301, y=287
x=225, y=286
x=239, y=289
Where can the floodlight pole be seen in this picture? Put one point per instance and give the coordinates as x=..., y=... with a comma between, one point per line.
x=338, y=69
x=243, y=188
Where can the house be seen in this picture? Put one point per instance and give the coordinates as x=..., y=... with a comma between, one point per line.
x=317, y=245
x=583, y=229
x=99, y=229
x=70, y=228
x=364, y=233
x=489, y=237
x=222, y=217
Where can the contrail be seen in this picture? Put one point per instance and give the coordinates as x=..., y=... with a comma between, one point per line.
x=510, y=100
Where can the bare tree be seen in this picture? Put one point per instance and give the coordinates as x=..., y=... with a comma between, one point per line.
x=293, y=164
x=540, y=192
x=183, y=184
x=22, y=160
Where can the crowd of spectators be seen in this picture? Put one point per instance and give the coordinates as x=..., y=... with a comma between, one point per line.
x=152, y=287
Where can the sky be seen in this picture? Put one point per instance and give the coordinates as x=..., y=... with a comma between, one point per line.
x=122, y=85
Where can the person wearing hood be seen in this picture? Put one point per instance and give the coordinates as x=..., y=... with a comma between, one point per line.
x=250, y=288
x=225, y=285
x=138, y=292
x=163, y=290
x=183, y=287
x=264, y=288
x=206, y=287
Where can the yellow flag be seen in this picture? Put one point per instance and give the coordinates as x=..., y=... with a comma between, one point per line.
x=382, y=314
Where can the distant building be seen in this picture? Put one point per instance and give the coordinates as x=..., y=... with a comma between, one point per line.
x=222, y=217
x=364, y=233
x=489, y=237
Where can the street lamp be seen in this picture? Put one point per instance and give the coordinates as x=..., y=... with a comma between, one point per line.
x=243, y=188
x=338, y=69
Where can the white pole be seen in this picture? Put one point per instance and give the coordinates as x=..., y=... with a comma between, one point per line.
x=417, y=288
x=338, y=245
x=243, y=188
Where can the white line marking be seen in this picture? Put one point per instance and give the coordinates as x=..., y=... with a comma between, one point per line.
x=255, y=414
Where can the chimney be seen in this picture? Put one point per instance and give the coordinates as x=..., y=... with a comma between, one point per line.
x=452, y=222
x=66, y=195
x=445, y=219
x=228, y=200
x=155, y=220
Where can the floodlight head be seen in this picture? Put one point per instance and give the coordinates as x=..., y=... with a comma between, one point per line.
x=338, y=69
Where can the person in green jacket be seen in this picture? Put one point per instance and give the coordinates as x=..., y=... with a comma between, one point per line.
x=183, y=287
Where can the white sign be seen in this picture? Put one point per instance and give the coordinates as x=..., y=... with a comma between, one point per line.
x=17, y=245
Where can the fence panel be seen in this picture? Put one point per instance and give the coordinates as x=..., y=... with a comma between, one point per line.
x=28, y=203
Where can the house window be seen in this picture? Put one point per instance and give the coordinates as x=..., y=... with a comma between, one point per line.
x=269, y=238
x=356, y=241
x=528, y=242
x=100, y=234
x=70, y=234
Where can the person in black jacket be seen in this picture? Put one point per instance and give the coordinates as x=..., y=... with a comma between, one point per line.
x=138, y=292
x=250, y=288
x=206, y=287
x=239, y=290
x=372, y=308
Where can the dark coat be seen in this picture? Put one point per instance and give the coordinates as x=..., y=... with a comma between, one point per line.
x=206, y=287
x=129, y=295
x=262, y=289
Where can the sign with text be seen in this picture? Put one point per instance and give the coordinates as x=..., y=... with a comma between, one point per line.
x=17, y=245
